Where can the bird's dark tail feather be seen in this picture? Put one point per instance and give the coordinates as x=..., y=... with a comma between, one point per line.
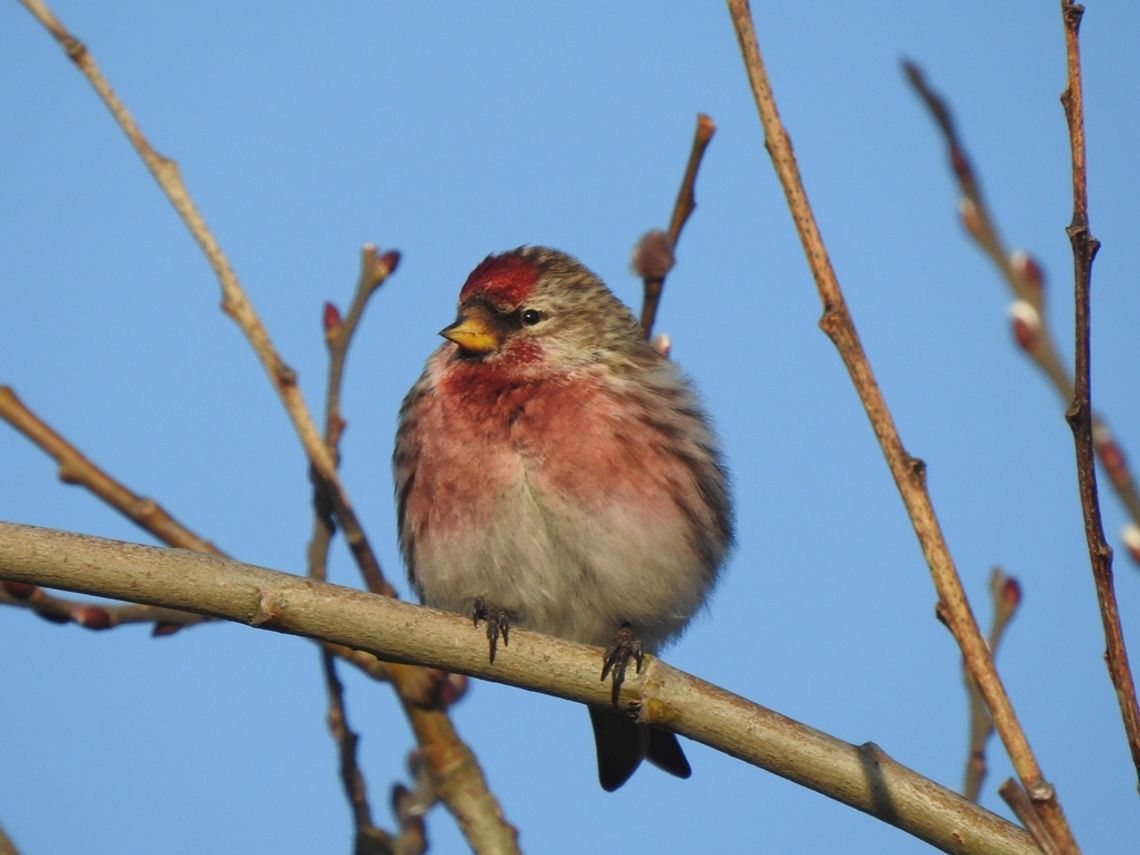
x=622, y=744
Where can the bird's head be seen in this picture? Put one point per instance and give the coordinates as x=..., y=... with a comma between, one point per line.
x=534, y=304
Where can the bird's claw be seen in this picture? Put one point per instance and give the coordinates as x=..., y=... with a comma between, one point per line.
x=498, y=623
x=623, y=648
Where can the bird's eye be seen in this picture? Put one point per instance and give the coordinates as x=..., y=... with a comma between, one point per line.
x=530, y=317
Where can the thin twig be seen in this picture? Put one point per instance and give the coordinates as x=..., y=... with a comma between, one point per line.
x=369, y=836
x=1026, y=281
x=75, y=468
x=1022, y=808
x=909, y=472
x=338, y=335
x=653, y=257
x=1079, y=413
x=375, y=268
x=93, y=615
x=860, y=776
x=149, y=515
x=1005, y=591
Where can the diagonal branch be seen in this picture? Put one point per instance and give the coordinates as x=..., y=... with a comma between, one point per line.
x=1079, y=414
x=76, y=468
x=863, y=777
x=653, y=256
x=909, y=472
x=1026, y=281
x=235, y=303
x=472, y=804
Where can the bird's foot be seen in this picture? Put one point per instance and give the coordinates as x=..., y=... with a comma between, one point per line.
x=498, y=623
x=623, y=648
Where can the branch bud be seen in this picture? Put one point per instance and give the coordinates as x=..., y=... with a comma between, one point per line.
x=391, y=260
x=1130, y=534
x=968, y=211
x=92, y=617
x=20, y=590
x=652, y=257
x=1010, y=594
x=1111, y=456
x=330, y=319
x=1026, y=325
x=1026, y=268
x=453, y=689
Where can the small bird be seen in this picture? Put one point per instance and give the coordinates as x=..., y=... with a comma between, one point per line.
x=555, y=472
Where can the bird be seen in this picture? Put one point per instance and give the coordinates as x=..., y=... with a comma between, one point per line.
x=554, y=471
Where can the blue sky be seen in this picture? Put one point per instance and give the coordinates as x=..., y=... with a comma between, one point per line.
x=448, y=132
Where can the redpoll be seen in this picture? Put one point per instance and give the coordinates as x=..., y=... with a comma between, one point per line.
x=555, y=472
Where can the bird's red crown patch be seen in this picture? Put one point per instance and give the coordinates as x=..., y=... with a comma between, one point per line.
x=505, y=279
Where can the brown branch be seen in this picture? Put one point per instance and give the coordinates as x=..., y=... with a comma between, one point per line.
x=92, y=615
x=408, y=681
x=417, y=687
x=1005, y=591
x=860, y=776
x=909, y=472
x=1022, y=808
x=7, y=847
x=235, y=303
x=369, y=838
x=338, y=335
x=1026, y=281
x=1079, y=414
x=374, y=272
x=75, y=468
x=654, y=254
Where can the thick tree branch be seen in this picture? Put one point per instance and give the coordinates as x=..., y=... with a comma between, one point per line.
x=1079, y=414
x=860, y=776
x=909, y=472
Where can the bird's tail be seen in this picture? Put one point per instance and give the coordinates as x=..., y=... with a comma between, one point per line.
x=622, y=744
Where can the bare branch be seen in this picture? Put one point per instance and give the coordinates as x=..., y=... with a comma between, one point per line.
x=1079, y=414
x=235, y=303
x=93, y=615
x=862, y=777
x=75, y=468
x=654, y=253
x=369, y=837
x=1005, y=592
x=1026, y=281
x=909, y=472
x=1022, y=808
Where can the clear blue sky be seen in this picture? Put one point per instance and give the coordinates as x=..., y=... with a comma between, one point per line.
x=451, y=131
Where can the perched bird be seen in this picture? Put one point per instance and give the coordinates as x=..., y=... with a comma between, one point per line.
x=554, y=472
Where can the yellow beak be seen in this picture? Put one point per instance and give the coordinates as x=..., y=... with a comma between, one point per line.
x=473, y=333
